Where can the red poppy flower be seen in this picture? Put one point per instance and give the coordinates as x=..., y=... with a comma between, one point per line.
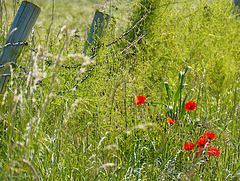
x=190, y=106
x=202, y=142
x=189, y=146
x=170, y=120
x=140, y=100
x=209, y=135
x=213, y=151
x=199, y=152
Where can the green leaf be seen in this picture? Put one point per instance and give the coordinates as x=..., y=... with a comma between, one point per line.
x=183, y=106
x=167, y=89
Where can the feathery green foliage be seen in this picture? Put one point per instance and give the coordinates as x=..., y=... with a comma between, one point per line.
x=95, y=131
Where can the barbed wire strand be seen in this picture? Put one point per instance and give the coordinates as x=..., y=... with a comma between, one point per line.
x=94, y=50
x=93, y=67
x=125, y=33
x=13, y=64
x=14, y=44
x=108, y=44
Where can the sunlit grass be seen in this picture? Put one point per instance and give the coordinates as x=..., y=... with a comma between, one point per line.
x=96, y=131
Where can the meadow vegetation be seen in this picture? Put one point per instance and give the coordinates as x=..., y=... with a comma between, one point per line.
x=55, y=126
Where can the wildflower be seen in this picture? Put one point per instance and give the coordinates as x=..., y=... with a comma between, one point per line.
x=140, y=100
x=209, y=135
x=190, y=106
x=202, y=142
x=199, y=152
x=170, y=120
x=213, y=151
x=189, y=146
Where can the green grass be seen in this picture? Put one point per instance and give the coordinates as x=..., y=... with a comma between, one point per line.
x=96, y=132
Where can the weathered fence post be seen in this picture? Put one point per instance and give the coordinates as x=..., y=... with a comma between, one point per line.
x=99, y=24
x=237, y=3
x=18, y=33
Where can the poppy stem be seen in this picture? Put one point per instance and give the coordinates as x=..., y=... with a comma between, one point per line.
x=125, y=104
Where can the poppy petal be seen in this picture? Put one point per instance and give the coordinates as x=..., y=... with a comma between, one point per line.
x=213, y=152
x=140, y=100
x=210, y=135
x=190, y=106
x=189, y=146
x=171, y=121
x=202, y=142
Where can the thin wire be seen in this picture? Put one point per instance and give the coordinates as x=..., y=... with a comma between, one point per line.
x=109, y=44
x=14, y=44
x=125, y=33
x=93, y=67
